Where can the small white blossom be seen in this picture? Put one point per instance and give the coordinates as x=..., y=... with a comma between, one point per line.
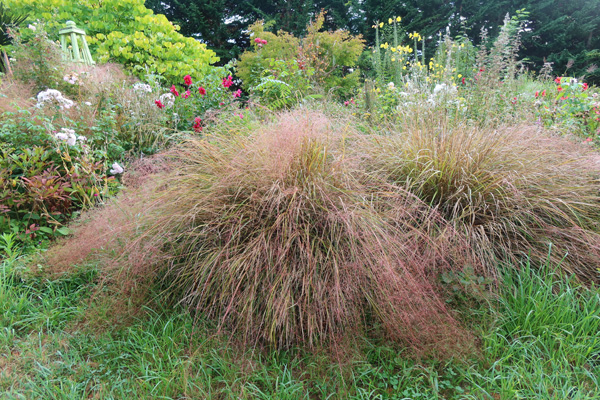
x=167, y=99
x=87, y=103
x=53, y=96
x=391, y=86
x=142, y=88
x=32, y=27
x=116, y=169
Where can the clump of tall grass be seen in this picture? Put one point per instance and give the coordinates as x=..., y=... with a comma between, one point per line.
x=514, y=192
x=280, y=236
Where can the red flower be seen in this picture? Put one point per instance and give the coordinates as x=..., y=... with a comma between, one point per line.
x=188, y=80
x=237, y=93
x=585, y=86
x=174, y=91
x=560, y=88
x=544, y=93
x=537, y=94
x=186, y=94
x=221, y=104
x=557, y=80
x=463, y=81
x=564, y=97
x=346, y=103
x=227, y=82
x=197, y=124
x=159, y=104
x=514, y=100
x=201, y=90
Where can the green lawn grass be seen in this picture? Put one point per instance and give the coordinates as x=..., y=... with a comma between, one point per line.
x=539, y=340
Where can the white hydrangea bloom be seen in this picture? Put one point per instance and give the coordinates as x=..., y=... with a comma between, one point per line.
x=116, y=169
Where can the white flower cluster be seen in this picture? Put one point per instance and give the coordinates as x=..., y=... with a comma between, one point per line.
x=72, y=78
x=69, y=136
x=142, y=88
x=443, y=89
x=53, y=96
x=167, y=99
x=116, y=169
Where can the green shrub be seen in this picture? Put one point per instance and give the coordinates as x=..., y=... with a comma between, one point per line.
x=322, y=57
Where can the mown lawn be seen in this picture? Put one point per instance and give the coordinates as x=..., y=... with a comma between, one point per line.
x=538, y=338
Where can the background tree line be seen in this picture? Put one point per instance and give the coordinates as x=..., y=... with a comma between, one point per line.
x=565, y=33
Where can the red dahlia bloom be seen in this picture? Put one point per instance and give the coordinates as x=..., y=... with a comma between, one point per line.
x=227, y=82
x=197, y=124
x=201, y=90
x=159, y=104
x=174, y=91
x=585, y=86
x=557, y=80
x=237, y=93
x=186, y=94
x=537, y=94
x=187, y=80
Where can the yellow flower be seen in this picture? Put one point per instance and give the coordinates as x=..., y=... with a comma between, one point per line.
x=459, y=76
x=398, y=19
x=393, y=49
x=381, y=24
x=462, y=45
x=393, y=59
x=390, y=21
x=404, y=67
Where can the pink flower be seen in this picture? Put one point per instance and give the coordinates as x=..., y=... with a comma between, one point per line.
x=537, y=94
x=221, y=104
x=557, y=80
x=237, y=93
x=346, y=103
x=174, y=91
x=186, y=94
x=514, y=100
x=260, y=42
x=188, y=80
x=202, y=91
x=585, y=86
x=560, y=88
x=463, y=81
x=197, y=124
x=544, y=93
x=227, y=82
x=159, y=104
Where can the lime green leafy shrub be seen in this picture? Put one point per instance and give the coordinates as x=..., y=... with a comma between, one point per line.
x=127, y=32
x=321, y=61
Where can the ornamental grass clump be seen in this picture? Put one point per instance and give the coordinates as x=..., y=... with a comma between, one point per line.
x=281, y=237
x=514, y=192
